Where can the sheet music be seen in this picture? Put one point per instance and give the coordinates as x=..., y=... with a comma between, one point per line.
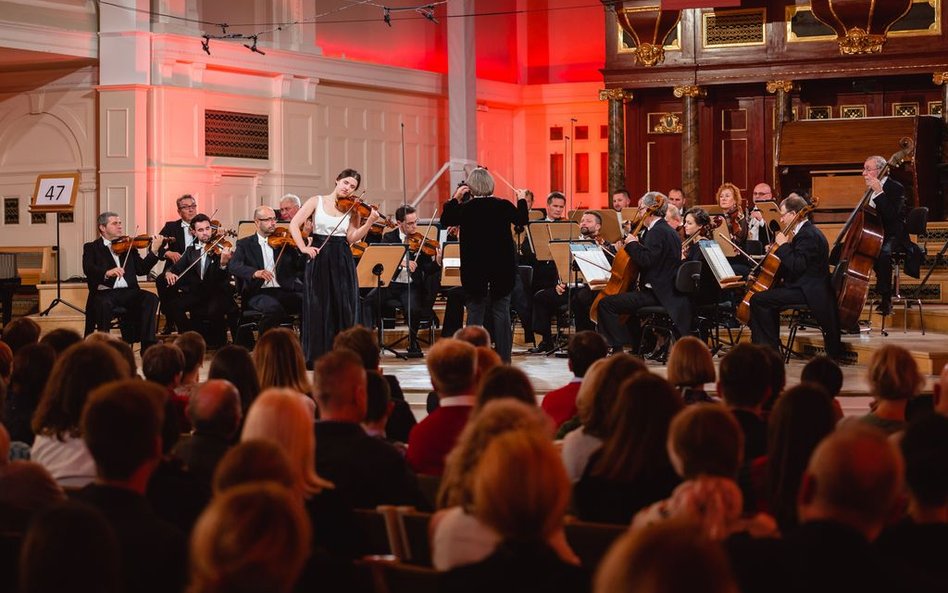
x=723, y=272
x=592, y=262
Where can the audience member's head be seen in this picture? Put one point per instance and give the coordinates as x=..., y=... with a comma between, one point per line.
x=777, y=376
x=940, y=392
x=279, y=360
x=502, y=382
x=486, y=360
x=254, y=537
x=651, y=560
x=341, y=386
x=475, y=335
x=121, y=426
x=378, y=401
x=6, y=362
x=690, y=363
x=705, y=439
x=893, y=374
x=823, y=371
x=26, y=486
x=80, y=369
x=531, y=507
x=32, y=367
x=452, y=365
x=214, y=408
x=584, y=348
x=642, y=412
x=70, y=547
x=363, y=342
x=20, y=332
x=282, y=416
x=925, y=449
x=194, y=348
x=854, y=477
x=495, y=418
x=163, y=364
x=801, y=418
x=599, y=389
x=61, y=338
x=742, y=377
x=122, y=348
x=253, y=461
x=233, y=363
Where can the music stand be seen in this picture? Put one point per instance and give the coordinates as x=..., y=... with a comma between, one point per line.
x=541, y=233
x=451, y=264
x=717, y=261
x=771, y=215
x=56, y=193
x=375, y=270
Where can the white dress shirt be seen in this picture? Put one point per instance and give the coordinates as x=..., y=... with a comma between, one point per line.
x=120, y=281
x=872, y=200
x=403, y=274
x=268, y=263
x=188, y=237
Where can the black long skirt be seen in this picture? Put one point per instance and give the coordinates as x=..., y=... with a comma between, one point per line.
x=330, y=296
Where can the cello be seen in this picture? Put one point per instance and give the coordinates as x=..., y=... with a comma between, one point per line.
x=767, y=269
x=857, y=248
x=624, y=271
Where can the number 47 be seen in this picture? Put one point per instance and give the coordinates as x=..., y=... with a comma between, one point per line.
x=52, y=189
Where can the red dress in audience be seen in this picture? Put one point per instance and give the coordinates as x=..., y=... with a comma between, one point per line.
x=560, y=404
x=432, y=439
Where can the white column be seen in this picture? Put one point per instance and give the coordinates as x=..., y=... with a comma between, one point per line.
x=462, y=89
x=183, y=9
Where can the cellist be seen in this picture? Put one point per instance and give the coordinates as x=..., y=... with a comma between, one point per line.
x=657, y=256
x=804, y=268
x=888, y=198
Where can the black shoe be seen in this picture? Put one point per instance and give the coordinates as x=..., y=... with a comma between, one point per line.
x=659, y=354
x=414, y=351
x=541, y=348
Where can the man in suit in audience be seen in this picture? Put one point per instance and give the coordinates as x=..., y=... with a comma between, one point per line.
x=452, y=366
x=215, y=415
x=267, y=276
x=585, y=348
x=112, y=280
x=367, y=471
x=180, y=231
x=121, y=426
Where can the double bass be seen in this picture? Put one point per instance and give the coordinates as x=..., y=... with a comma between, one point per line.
x=857, y=248
x=766, y=272
x=624, y=271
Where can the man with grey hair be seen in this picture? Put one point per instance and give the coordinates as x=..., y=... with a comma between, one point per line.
x=657, y=256
x=180, y=230
x=267, y=276
x=112, y=278
x=888, y=198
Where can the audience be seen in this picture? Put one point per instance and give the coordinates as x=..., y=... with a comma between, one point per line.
x=583, y=349
x=6, y=362
x=632, y=469
x=20, y=332
x=233, y=363
x=940, y=393
x=25, y=487
x=894, y=379
x=253, y=461
x=595, y=401
x=32, y=366
x=476, y=335
x=59, y=446
x=163, y=364
x=367, y=472
x=123, y=349
x=525, y=513
x=824, y=371
x=451, y=364
x=689, y=367
x=279, y=361
x=194, y=348
x=744, y=392
x=60, y=338
x=378, y=410
x=502, y=382
x=214, y=412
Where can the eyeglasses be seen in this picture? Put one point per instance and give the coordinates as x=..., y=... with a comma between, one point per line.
x=268, y=219
x=187, y=207
x=761, y=193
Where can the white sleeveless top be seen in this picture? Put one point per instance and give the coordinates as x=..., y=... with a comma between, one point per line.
x=323, y=223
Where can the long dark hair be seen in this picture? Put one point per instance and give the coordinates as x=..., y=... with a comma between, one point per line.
x=233, y=362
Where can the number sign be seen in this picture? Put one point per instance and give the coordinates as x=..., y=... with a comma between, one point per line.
x=55, y=192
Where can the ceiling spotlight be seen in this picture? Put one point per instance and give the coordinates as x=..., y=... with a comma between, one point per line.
x=387, y=16
x=206, y=45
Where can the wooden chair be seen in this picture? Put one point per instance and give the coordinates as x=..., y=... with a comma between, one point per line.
x=591, y=541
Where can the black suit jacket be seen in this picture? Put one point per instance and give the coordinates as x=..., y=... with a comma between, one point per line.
x=804, y=264
x=214, y=277
x=658, y=256
x=248, y=258
x=426, y=265
x=97, y=260
x=890, y=205
x=174, y=229
x=488, y=258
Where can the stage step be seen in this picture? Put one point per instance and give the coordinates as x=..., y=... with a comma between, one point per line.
x=929, y=351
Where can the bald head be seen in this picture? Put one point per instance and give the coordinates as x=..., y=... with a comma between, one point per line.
x=940, y=391
x=215, y=408
x=762, y=193
x=854, y=477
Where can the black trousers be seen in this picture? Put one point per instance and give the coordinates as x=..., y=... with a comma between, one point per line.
x=276, y=304
x=493, y=312
x=616, y=333
x=547, y=302
x=765, y=308
x=883, y=270
x=396, y=294
x=140, y=320
x=208, y=310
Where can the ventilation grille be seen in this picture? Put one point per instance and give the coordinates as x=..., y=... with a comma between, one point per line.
x=734, y=28
x=11, y=211
x=241, y=135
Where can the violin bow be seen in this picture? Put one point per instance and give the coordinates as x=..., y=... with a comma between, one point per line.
x=131, y=245
x=424, y=236
x=211, y=245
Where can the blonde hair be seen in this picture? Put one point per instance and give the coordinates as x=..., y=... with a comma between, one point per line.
x=282, y=416
x=452, y=365
x=253, y=537
x=690, y=363
x=520, y=487
x=495, y=418
x=599, y=389
x=738, y=200
x=893, y=373
x=279, y=360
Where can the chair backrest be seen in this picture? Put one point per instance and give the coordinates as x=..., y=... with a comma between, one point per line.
x=916, y=223
x=373, y=530
x=429, y=486
x=688, y=277
x=591, y=541
x=415, y=526
x=395, y=577
x=526, y=276
x=753, y=247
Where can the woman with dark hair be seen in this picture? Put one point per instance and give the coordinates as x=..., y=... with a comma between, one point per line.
x=31, y=368
x=331, y=289
x=234, y=364
x=504, y=381
x=632, y=469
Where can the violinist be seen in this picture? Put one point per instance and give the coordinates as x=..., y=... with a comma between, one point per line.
x=289, y=206
x=331, y=289
x=409, y=282
x=180, y=231
x=676, y=198
x=112, y=279
x=732, y=204
x=202, y=283
x=756, y=225
x=804, y=268
x=696, y=220
x=267, y=277
x=673, y=218
x=657, y=256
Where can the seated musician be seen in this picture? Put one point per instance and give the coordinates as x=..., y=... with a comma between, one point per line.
x=657, y=256
x=180, y=231
x=756, y=225
x=268, y=277
x=409, y=282
x=289, y=206
x=673, y=218
x=676, y=198
x=696, y=219
x=112, y=279
x=729, y=199
x=202, y=282
x=804, y=269
x=546, y=302
x=555, y=207
x=888, y=198
x=621, y=199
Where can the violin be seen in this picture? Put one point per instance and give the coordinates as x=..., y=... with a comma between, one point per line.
x=281, y=238
x=381, y=226
x=417, y=241
x=218, y=242
x=122, y=244
x=734, y=218
x=350, y=203
x=702, y=233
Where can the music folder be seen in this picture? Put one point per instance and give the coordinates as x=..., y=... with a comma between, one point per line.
x=592, y=262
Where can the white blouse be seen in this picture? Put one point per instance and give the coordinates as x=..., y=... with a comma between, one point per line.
x=323, y=223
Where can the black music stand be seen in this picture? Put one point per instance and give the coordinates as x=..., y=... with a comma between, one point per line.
x=375, y=270
x=59, y=300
